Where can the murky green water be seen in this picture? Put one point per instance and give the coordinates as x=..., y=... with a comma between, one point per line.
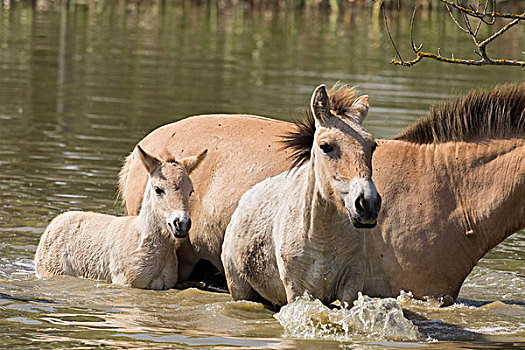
x=80, y=85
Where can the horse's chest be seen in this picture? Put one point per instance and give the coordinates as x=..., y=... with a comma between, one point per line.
x=317, y=273
x=322, y=268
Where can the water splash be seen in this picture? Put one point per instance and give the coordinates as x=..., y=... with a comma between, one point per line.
x=369, y=318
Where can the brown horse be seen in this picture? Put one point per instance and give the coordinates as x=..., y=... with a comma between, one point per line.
x=453, y=185
x=136, y=251
x=298, y=231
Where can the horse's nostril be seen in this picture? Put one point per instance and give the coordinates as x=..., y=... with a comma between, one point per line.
x=359, y=203
x=189, y=224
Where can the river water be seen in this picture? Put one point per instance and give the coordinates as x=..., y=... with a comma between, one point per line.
x=81, y=84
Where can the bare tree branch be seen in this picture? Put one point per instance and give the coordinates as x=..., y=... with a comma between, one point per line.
x=480, y=62
x=474, y=13
x=479, y=16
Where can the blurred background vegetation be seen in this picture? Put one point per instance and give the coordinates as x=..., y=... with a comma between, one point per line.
x=334, y=5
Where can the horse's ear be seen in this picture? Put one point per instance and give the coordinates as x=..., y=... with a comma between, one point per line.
x=190, y=163
x=359, y=109
x=149, y=161
x=320, y=105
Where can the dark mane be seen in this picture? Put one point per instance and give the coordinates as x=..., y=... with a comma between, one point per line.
x=495, y=113
x=300, y=140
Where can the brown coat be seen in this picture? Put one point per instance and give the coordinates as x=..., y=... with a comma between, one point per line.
x=447, y=200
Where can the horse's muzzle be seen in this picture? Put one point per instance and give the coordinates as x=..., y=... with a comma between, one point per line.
x=179, y=223
x=366, y=211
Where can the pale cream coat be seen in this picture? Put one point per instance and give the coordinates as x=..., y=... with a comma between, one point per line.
x=136, y=251
x=294, y=233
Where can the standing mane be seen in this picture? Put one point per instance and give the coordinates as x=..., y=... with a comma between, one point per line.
x=480, y=114
x=300, y=140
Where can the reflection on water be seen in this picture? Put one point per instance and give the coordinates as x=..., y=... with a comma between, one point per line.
x=81, y=84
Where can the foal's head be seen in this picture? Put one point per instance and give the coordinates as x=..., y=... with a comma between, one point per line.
x=169, y=189
x=342, y=155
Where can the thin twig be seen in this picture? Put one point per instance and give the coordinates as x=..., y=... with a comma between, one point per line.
x=454, y=19
x=412, y=31
x=473, y=13
x=492, y=19
x=498, y=33
x=467, y=23
x=388, y=31
x=473, y=36
x=480, y=21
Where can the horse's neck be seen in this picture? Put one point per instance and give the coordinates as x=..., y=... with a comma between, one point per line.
x=490, y=187
x=321, y=219
x=149, y=222
x=478, y=185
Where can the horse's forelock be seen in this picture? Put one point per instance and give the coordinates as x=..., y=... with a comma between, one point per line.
x=170, y=159
x=342, y=97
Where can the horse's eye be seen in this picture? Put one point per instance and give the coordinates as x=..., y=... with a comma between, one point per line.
x=158, y=190
x=192, y=192
x=177, y=188
x=326, y=148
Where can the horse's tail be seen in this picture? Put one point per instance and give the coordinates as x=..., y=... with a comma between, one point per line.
x=123, y=179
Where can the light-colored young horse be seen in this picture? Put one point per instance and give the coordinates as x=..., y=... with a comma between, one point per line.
x=296, y=231
x=447, y=200
x=136, y=251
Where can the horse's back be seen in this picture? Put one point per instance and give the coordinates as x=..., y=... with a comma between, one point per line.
x=51, y=256
x=229, y=140
x=70, y=241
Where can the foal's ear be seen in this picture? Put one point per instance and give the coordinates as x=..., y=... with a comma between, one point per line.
x=149, y=161
x=190, y=163
x=359, y=109
x=320, y=105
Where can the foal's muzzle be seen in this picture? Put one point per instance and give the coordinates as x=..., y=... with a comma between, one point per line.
x=179, y=223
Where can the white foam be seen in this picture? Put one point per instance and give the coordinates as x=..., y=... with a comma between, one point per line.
x=368, y=318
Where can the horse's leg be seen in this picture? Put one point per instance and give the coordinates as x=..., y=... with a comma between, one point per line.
x=122, y=280
x=291, y=287
x=239, y=288
x=293, y=291
x=187, y=259
x=353, y=285
x=168, y=276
